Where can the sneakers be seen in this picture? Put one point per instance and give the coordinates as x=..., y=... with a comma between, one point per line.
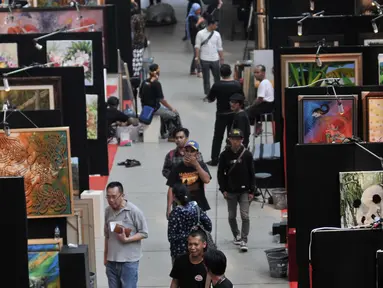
x=243, y=246
x=237, y=240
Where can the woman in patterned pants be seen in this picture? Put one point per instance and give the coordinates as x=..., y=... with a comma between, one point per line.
x=139, y=41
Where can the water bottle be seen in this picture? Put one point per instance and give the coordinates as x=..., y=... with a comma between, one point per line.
x=57, y=233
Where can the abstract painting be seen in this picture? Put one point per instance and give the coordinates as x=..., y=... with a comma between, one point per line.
x=8, y=55
x=91, y=115
x=75, y=176
x=373, y=116
x=327, y=119
x=72, y=53
x=380, y=65
x=42, y=157
x=360, y=197
x=302, y=70
x=43, y=262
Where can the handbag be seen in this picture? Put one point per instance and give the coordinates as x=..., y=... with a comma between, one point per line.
x=209, y=239
x=146, y=115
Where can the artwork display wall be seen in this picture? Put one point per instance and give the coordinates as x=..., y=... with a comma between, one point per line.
x=42, y=157
x=8, y=55
x=361, y=195
x=91, y=114
x=373, y=116
x=321, y=120
x=43, y=262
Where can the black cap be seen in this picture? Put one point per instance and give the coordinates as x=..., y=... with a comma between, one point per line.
x=237, y=97
x=235, y=133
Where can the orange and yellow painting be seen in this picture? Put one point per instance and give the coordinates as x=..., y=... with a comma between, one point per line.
x=42, y=157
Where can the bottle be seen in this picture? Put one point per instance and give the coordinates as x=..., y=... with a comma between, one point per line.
x=57, y=233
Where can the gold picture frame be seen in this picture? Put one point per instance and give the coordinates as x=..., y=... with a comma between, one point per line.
x=372, y=110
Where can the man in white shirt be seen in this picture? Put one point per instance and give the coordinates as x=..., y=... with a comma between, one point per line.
x=209, y=52
x=264, y=103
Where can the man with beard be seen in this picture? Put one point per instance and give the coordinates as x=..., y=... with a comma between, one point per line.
x=189, y=270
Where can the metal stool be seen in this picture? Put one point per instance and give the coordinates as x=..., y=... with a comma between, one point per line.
x=266, y=177
x=264, y=118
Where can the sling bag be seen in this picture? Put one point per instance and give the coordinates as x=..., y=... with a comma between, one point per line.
x=207, y=39
x=238, y=160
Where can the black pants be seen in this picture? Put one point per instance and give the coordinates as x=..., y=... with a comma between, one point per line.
x=152, y=2
x=208, y=66
x=222, y=122
x=254, y=111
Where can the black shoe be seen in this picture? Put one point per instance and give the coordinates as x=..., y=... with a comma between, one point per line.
x=212, y=163
x=185, y=38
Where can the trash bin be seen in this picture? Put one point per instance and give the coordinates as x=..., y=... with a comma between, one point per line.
x=278, y=263
x=92, y=278
x=279, y=196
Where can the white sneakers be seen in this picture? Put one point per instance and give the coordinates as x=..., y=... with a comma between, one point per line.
x=242, y=244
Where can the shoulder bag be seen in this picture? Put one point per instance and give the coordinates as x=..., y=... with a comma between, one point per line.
x=199, y=226
x=237, y=161
x=207, y=39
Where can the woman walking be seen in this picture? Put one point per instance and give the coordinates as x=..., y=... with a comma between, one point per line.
x=139, y=41
x=182, y=219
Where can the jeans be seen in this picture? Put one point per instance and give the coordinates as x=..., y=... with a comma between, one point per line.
x=194, y=65
x=222, y=123
x=244, y=205
x=208, y=66
x=122, y=274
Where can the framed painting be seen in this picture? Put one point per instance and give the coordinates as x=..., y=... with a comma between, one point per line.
x=72, y=53
x=302, y=70
x=91, y=116
x=373, y=116
x=75, y=176
x=43, y=262
x=8, y=55
x=312, y=40
x=380, y=69
x=358, y=204
x=33, y=93
x=42, y=157
x=370, y=39
x=322, y=121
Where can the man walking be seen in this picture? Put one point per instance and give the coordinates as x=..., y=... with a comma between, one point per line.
x=215, y=263
x=209, y=52
x=222, y=91
x=125, y=227
x=264, y=103
x=236, y=181
x=240, y=121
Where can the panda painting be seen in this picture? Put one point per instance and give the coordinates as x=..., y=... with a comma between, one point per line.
x=361, y=197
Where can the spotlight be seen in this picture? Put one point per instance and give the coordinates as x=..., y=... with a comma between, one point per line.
x=374, y=27
x=6, y=85
x=300, y=29
x=318, y=61
x=91, y=29
x=38, y=46
x=340, y=107
x=312, y=5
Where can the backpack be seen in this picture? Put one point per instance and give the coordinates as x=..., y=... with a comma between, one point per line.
x=209, y=239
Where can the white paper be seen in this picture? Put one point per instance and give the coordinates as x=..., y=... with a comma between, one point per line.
x=113, y=225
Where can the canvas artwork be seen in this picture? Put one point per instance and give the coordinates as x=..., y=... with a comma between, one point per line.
x=380, y=65
x=321, y=120
x=361, y=194
x=72, y=53
x=54, y=3
x=112, y=87
x=43, y=262
x=373, y=116
x=302, y=70
x=91, y=115
x=42, y=157
x=75, y=176
x=8, y=55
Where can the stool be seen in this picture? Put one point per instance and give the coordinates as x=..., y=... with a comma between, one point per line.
x=264, y=119
x=152, y=131
x=266, y=177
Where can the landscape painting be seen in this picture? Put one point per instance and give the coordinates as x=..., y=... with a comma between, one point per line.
x=91, y=115
x=75, y=176
x=361, y=194
x=43, y=262
x=321, y=120
x=42, y=157
x=72, y=53
x=8, y=55
x=27, y=98
x=373, y=116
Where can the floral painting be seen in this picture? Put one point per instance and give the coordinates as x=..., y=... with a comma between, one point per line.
x=72, y=53
x=373, y=116
x=8, y=55
x=26, y=98
x=323, y=120
x=91, y=115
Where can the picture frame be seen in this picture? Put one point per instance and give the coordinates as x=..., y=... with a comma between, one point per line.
x=370, y=39
x=372, y=103
x=334, y=40
x=290, y=62
x=47, y=150
x=321, y=122
x=52, y=84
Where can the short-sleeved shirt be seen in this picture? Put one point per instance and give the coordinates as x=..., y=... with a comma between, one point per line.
x=188, y=175
x=266, y=91
x=189, y=275
x=151, y=94
x=131, y=217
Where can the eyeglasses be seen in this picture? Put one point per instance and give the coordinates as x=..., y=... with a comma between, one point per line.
x=113, y=197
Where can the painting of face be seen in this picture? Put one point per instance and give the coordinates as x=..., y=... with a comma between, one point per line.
x=373, y=116
x=42, y=157
x=91, y=115
x=326, y=119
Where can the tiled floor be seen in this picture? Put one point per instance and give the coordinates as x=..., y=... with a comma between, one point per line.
x=146, y=188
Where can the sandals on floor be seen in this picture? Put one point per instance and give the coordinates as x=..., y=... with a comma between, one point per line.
x=129, y=163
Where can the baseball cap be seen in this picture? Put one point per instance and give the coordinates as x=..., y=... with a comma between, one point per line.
x=235, y=133
x=237, y=97
x=193, y=144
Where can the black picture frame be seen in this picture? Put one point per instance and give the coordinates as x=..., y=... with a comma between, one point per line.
x=362, y=37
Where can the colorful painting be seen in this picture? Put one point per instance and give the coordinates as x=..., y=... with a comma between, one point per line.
x=42, y=157
x=360, y=197
x=373, y=116
x=112, y=86
x=43, y=262
x=8, y=55
x=75, y=176
x=91, y=115
x=327, y=119
x=380, y=65
x=302, y=70
x=72, y=53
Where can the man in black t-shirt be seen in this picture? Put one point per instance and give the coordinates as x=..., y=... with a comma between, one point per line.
x=215, y=263
x=241, y=120
x=193, y=174
x=189, y=270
